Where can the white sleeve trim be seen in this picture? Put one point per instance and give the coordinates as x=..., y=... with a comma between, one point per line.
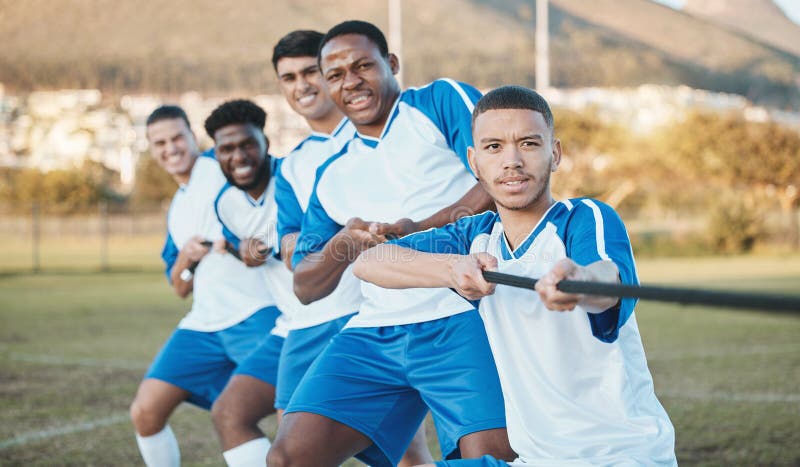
x=461, y=93
x=600, y=237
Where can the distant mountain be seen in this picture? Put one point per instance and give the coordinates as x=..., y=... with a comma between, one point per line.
x=761, y=19
x=170, y=46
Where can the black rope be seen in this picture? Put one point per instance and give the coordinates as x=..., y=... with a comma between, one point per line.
x=684, y=296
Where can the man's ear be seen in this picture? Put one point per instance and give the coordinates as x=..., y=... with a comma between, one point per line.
x=471, y=161
x=394, y=63
x=556, y=155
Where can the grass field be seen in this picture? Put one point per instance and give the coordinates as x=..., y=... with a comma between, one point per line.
x=73, y=346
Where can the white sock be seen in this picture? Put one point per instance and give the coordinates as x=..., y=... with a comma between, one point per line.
x=250, y=454
x=160, y=449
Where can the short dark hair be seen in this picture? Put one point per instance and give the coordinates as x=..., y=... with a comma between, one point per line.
x=369, y=30
x=300, y=43
x=514, y=97
x=168, y=112
x=239, y=111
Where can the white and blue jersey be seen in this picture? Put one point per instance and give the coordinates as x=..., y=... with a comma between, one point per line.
x=294, y=184
x=224, y=292
x=576, y=385
x=244, y=217
x=414, y=169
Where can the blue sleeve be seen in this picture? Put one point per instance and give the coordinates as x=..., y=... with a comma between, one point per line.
x=169, y=254
x=455, y=238
x=209, y=153
x=290, y=214
x=595, y=232
x=230, y=237
x=448, y=104
x=317, y=229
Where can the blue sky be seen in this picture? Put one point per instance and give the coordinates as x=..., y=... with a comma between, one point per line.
x=790, y=7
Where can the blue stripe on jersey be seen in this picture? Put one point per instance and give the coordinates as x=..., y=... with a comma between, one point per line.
x=169, y=254
x=448, y=104
x=230, y=237
x=595, y=232
x=209, y=153
x=290, y=214
x=317, y=227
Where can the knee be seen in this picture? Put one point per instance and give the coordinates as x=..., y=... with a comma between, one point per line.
x=280, y=454
x=146, y=418
x=225, y=414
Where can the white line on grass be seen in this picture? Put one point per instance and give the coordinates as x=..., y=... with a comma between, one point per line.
x=39, y=435
x=67, y=361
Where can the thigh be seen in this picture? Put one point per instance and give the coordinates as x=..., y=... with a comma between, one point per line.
x=195, y=362
x=451, y=365
x=359, y=381
x=250, y=399
x=312, y=439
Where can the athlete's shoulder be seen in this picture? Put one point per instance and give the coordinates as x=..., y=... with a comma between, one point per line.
x=440, y=91
x=589, y=209
x=477, y=224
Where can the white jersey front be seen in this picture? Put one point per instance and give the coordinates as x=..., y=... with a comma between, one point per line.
x=576, y=385
x=224, y=291
x=416, y=168
x=243, y=217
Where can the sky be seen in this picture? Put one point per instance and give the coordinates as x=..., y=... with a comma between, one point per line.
x=790, y=7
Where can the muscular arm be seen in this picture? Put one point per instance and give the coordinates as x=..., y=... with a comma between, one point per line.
x=318, y=274
x=395, y=267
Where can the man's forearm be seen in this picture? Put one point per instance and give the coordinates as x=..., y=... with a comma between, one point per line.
x=181, y=287
x=475, y=201
x=395, y=267
x=318, y=274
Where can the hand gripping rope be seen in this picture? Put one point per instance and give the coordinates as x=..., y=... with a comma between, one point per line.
x=684, y=296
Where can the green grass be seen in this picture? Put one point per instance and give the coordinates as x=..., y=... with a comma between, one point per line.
x=73, y=347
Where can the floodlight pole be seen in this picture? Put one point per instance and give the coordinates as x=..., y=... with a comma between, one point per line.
x=542, y=47
x=396, y=33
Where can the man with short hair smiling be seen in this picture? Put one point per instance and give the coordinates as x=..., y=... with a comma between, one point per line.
x=575, y=379
x=230, y=314
x=404, y=352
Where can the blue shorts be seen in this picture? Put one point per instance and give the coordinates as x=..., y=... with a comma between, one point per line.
x=262, y=363
x=382, y=381
x=202, y=362
x=485, y=461
x=301, y=348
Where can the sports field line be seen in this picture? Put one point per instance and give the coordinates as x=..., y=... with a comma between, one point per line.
x=39, y=435
x=69, y=361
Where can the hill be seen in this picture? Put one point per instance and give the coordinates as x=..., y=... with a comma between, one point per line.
x=169, y=46
x=761, y=19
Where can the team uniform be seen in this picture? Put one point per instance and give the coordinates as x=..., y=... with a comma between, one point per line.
x=576, y=385
x=241, y=217
x=230, y=315
x=406, y=350
x=312, y=326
